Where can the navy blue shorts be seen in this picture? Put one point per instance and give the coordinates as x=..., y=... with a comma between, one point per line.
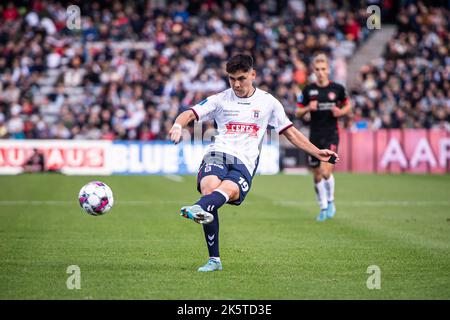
x=226, y=167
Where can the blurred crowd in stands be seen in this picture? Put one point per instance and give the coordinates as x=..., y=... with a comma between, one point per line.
x=409, y=86
x=133, y=66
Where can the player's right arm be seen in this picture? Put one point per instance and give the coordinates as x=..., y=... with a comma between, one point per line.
x=300, y=141
x=180, y=122
x=204, y=110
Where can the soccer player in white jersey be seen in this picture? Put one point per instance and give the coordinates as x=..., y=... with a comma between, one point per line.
x=242, y=114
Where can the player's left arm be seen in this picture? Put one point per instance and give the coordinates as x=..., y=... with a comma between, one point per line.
x=300, y=141
x=347, y=105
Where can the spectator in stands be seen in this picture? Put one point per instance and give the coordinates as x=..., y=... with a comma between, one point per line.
x=409, y=87
x=134, y=66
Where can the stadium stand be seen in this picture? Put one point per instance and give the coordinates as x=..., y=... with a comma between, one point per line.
x=133, y=67
x=409, y=86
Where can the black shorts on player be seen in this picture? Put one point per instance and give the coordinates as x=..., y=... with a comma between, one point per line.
x=323, y=141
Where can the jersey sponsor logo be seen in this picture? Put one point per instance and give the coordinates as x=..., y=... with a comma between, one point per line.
x=331, y=95
x=313, y=92
x=238, y=127
x=231, y=113
x=256, y=113
x=324, y=106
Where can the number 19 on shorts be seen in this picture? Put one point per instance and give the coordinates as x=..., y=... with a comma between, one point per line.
x=243, y=184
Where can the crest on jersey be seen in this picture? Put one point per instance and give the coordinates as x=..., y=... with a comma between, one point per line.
x=256, y=113
x=331, y=95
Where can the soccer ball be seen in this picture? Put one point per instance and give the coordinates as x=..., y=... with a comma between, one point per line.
x=96, y=198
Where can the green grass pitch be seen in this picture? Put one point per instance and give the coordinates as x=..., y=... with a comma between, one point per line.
x=271, y=246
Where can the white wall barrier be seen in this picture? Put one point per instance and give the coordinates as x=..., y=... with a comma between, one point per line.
x=87, y=157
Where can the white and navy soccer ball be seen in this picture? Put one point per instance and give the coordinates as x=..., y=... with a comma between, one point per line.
x=96, y=198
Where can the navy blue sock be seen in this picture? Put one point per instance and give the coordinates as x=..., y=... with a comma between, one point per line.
x=212, y=235
x=212, y=201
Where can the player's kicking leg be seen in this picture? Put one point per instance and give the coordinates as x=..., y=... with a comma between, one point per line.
x=205, y=212
x=197, y=214
x=215, y=194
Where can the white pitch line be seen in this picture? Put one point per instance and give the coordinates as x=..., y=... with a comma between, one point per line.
x=289, y=203
x=67, y=202
x=368, y=203
x=174, y=177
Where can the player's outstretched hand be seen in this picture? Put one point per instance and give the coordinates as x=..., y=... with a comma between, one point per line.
x=175, y=133
x=327, y=156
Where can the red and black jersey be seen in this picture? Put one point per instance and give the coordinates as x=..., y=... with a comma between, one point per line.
x=322, y=120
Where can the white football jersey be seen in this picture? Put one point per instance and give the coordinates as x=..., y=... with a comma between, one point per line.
x=242, y=122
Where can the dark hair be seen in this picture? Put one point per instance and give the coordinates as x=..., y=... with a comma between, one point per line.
x=240, y=62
